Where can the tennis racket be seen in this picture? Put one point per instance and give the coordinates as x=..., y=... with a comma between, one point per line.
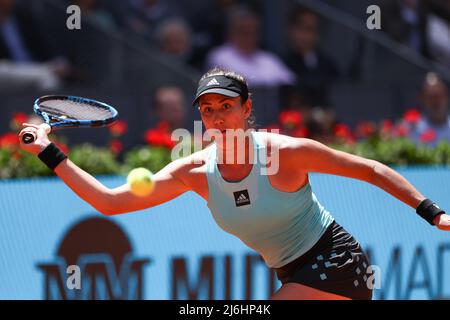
x=60, y=111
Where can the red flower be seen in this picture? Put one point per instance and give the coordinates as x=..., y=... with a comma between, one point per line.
x=160, y=136
x=9, y=140
x=152, y=136
x=386, y=129
x=342, y=130
x=115, y=146
x=290, y=118
x=412, y=116
x=17, y=120
x=366, y=129
x=387, y=126
x=20, y=117
x=401, y=130
x=301, y=132
x=428, y=136
x=168, y=142
x=163, y=126
x=118, y=128
x=157, y=137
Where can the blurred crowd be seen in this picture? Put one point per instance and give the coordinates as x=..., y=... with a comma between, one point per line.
x=34, y=52
x=421, y=25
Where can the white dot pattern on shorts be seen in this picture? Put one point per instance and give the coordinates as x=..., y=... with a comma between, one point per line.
x=319, y=257
x=315, y=266
x=323, y=276
x=356, y=283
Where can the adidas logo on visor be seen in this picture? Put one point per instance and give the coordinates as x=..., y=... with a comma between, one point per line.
x=213, y=82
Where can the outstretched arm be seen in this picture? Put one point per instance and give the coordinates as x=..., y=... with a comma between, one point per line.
x=312, y=156
x=120, y=200
x=168, y=184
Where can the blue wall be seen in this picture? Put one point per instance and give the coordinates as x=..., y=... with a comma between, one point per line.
x=181, y=236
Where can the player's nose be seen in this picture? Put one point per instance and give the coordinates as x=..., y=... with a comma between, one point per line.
x=218, y=123
x=218, y=120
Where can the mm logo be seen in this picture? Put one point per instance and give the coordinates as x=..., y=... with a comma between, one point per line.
x=106, y=265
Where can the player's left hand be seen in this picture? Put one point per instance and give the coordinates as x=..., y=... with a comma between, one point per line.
x=442, y=222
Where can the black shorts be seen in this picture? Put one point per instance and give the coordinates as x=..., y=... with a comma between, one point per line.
x=335, y=264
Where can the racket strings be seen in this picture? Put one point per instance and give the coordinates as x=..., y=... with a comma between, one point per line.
x=74, y=110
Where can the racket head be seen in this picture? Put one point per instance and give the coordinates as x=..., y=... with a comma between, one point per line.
x=72, y=111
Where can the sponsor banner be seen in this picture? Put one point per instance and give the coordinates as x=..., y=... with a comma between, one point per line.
x=53, y=245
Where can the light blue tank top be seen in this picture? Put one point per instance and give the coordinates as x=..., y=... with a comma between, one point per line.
x=280, y=226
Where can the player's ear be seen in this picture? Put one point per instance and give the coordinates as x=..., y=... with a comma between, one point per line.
x=247, y=106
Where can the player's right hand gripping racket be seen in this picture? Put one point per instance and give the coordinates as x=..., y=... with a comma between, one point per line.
x=60, y=111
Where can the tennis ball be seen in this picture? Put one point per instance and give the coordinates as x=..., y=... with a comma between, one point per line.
x=140, y=181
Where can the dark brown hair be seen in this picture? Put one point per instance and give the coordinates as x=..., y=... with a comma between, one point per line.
x=219, y=71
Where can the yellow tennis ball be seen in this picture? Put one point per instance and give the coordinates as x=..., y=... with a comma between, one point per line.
x=140, y=181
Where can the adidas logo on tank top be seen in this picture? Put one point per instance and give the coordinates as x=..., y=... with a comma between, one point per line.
x=241, y=198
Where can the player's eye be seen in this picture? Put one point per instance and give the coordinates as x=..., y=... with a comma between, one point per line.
x=226, y=106
x=207, y=110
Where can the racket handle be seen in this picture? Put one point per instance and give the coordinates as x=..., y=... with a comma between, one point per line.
x=28, y=138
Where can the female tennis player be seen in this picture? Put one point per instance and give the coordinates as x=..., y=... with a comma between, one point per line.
x=274, y=212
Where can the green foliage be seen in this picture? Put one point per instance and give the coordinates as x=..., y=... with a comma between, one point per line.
x=152, y=158
x=442, y=153
x=398, y=151
x=16, y=163
x=20, y=164
x=95, y=160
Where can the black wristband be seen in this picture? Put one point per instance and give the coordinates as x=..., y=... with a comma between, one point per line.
x=428, y=210
x=52, y=156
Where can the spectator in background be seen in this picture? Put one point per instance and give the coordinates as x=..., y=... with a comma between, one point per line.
x=241, y=52
x=170, y=113
x=439, y=38
x=434, y=125
x=207, y=20
x=422, y=25
x=174, y=37
x=25, y=58
x=90, y=50
x=265, y=72
x=438, y=31
x=315, y=71
x=405, y=21
x=321, y=124
x=170, y=107
x=20, y=37
x=143, y=16
x=93, y=10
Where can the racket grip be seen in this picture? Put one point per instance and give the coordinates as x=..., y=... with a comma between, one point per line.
x=28, y=138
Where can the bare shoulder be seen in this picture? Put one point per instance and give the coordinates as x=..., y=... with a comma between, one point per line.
x=271, y=138
x=307, y=155
x=184, y=168
x=284, y=142
x=295, y=152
